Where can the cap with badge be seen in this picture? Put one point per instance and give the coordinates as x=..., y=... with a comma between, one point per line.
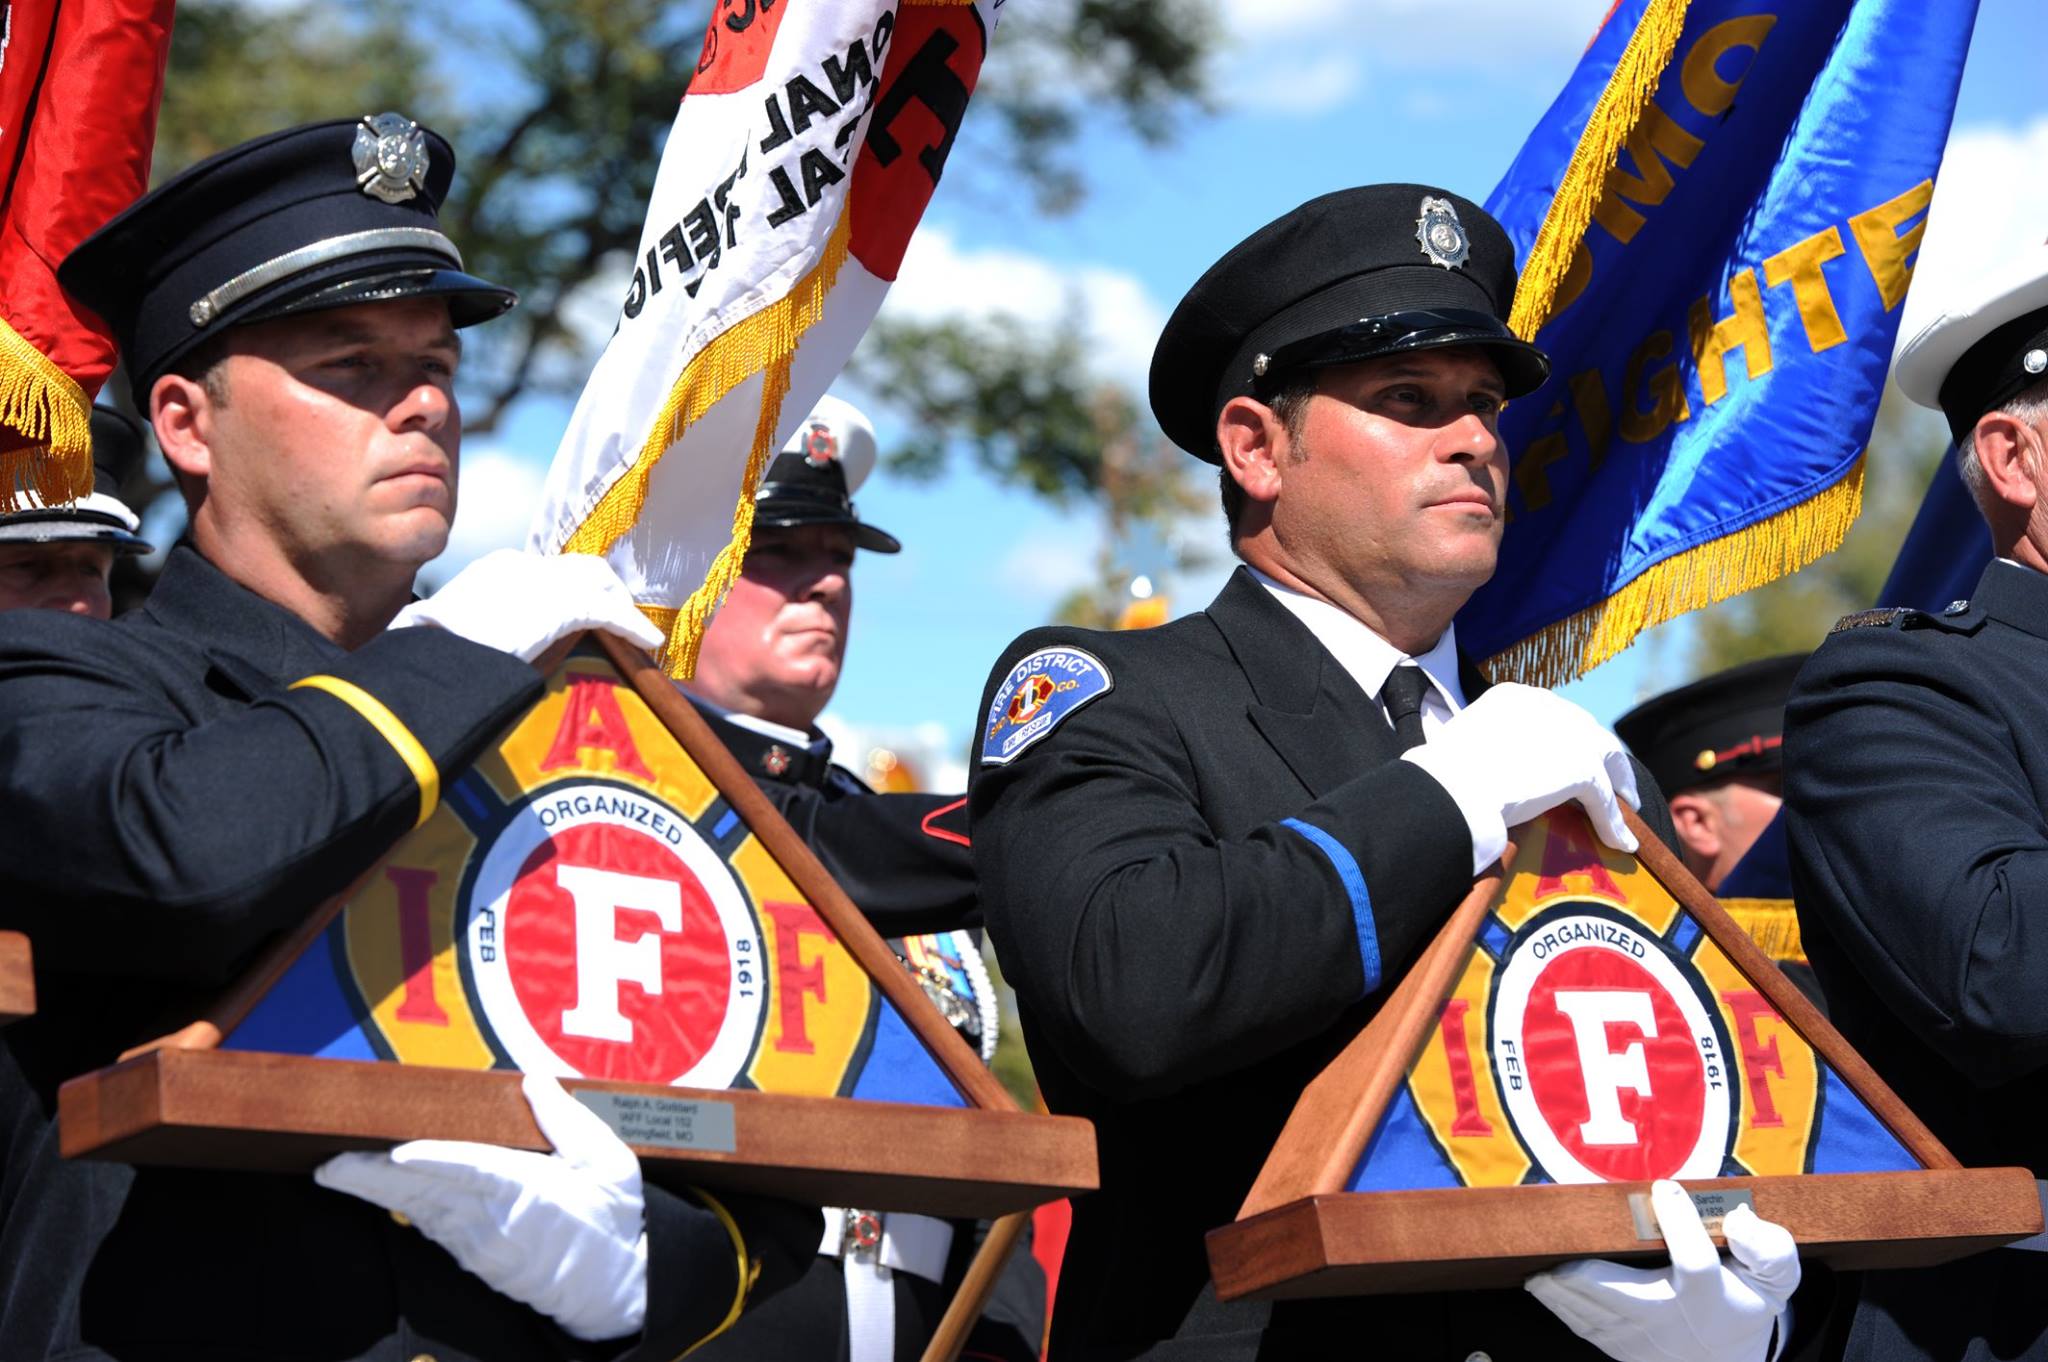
x=101, y=517
x=813, y=479
x=1985, y=348
x=1358, y=274
x=315, y=217
x=1729, y=724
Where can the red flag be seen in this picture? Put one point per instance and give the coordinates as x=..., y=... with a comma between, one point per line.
x=80, y=81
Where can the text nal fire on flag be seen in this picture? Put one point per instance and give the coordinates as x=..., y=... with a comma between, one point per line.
x=804, y=153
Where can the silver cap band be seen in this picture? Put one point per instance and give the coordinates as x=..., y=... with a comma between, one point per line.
x=319, y=253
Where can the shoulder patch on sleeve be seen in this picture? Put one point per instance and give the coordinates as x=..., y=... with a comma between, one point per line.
x=1872, y=619
x=1040, y=691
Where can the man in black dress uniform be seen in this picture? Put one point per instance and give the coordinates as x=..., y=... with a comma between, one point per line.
x=1916, y=776
x=179, y=785
x=62, y=557
x=1717, y=749
x=1207, y=850
x=770, y=661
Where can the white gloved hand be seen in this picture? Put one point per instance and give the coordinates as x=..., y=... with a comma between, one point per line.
x=1699, y=1309
x=523, y=603
x=560, y=1232
x=1518, y=751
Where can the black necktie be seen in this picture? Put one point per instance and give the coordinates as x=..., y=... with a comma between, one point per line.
x=1402, y=695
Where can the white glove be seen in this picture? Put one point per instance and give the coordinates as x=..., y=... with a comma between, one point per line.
x=1699, y=1309
x=560, y=1232
x=1518, y=751
x=523, y=603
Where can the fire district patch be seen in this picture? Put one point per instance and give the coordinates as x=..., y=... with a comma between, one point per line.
x=1040, y=691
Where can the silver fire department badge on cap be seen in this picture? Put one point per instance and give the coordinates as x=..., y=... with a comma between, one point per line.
x=391, y=157
x=1440, y=234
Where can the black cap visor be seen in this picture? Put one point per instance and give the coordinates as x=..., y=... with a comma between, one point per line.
x=1523, y=368
x=470, y=299
x=378, y=276
x=786, y=512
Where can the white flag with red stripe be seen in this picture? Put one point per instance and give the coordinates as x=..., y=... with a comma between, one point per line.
x=801, y=160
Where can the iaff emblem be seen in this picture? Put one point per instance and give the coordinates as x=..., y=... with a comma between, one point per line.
x=821, y=446
x=605, y=938
x=1596, y=1032
x=1611, y=1063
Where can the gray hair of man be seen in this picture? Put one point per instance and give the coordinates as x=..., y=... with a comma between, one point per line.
x=2029, y=406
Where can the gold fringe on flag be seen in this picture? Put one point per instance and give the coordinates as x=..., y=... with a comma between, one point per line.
x=761, y=344
x=43, y=405
x=1613, y=118
x=1752, y=556
x=1773, y=924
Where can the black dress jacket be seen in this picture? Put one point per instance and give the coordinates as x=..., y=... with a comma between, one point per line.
x=1916, y=775
x=1184, y=964
x=903, y=859
x=167, y=803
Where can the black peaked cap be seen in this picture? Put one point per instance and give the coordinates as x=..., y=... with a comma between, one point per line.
x=1731, y=723
x=313, y=217
x=1383, y=251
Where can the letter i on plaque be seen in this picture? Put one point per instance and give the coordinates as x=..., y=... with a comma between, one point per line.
x=1585, y=1023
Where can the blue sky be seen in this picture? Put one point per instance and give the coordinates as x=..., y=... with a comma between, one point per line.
x=1317, y=94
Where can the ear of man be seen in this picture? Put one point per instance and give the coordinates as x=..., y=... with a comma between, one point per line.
x=182, y=408
x=2009, y=451
x=1256, y=446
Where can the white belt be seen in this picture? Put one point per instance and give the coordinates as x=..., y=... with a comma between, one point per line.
x=903, y=1243
x=873, y=1246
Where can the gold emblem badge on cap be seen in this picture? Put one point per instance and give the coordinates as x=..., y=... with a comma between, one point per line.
x=391, y=157
x=1440, y=234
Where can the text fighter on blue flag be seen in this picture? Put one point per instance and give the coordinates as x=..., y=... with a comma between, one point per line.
x=805, y=151
x=1718, y=220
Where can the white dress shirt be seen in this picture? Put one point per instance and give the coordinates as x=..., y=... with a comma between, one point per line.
x=1368, y=658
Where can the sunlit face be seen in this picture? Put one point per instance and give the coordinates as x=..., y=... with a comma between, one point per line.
x=774, y=649
x=340, y=432
x=1398, y=477
x=66, y=576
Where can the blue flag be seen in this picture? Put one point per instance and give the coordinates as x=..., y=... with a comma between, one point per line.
x=1718, y=220
x=1946, y=550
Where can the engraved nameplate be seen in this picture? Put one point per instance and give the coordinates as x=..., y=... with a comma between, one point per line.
x=664, y=1122
x=1712, y=1206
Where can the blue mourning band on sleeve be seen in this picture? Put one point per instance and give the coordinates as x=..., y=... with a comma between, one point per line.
x=1346, y=866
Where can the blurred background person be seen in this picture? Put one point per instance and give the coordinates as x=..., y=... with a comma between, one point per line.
x=1716, y=747
x=62, y=557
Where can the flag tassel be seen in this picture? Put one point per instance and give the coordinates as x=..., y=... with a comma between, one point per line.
x=1613, y=118
x=44, y=406
x=1753, y=556
x=762, y=344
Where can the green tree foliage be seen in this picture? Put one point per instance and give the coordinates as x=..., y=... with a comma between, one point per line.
x=1794, y=613
x=558, y=110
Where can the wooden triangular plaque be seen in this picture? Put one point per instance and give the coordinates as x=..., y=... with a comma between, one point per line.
x=1584, y=1023
x=607, y=896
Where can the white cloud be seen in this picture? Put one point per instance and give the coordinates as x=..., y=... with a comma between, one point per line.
x=1990, y=204
x=1047, y=565
x=941, y=278
x=1308, y=56
x=497, y=496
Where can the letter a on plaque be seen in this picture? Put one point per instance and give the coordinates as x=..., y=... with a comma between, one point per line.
x=1587, y=1022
